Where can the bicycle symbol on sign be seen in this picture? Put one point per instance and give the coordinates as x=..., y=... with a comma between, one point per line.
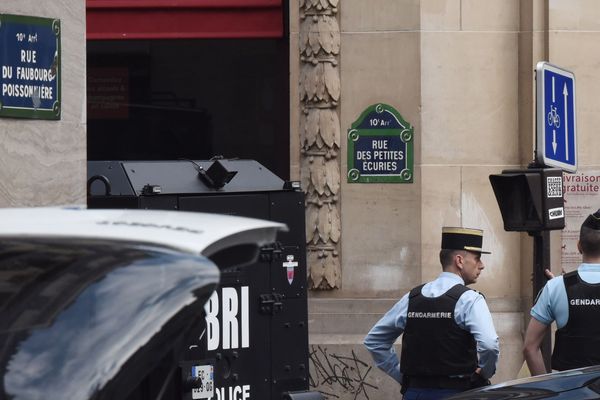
x=553, y=118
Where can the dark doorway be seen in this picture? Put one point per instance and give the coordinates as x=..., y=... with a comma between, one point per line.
x=192, y=98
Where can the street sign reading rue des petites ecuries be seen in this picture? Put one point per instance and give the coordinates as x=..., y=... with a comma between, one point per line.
x=556, y=138
x=380, y=147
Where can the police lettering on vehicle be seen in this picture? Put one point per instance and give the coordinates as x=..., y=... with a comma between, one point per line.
x=233, y=393
x=232, y=329
x=228, y=327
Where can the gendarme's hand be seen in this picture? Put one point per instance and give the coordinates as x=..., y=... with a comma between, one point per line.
x=477, y=380
x=550, y=275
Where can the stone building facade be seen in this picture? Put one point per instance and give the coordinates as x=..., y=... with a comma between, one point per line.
x=42, y=162
x=460, y=71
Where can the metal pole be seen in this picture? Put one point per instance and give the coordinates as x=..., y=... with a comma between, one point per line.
x=541, y=261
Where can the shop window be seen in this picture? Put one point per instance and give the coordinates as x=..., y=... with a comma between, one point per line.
x=189, y=98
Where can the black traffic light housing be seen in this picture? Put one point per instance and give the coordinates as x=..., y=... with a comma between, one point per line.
x=530, y=199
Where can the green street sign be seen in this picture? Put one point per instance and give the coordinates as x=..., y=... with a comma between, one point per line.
x=380, y=147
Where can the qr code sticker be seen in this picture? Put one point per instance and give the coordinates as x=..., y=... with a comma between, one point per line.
x=554, y=186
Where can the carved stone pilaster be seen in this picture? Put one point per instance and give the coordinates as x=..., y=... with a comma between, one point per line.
x=320, y=139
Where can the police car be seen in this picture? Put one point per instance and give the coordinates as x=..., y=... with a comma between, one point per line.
x=106, y=304
x=576, y=384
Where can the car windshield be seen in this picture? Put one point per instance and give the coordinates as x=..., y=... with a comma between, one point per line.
x=74, y=312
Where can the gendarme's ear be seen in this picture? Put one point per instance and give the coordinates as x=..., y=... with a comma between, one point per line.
x=579, y=247
x=459, y=261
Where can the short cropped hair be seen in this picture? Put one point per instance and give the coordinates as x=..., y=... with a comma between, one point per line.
x=447, y=256
x=589, y=240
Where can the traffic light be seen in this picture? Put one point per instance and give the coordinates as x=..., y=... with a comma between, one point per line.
x=530, y=199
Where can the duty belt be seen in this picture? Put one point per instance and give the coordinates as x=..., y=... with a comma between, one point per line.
x=437, y=382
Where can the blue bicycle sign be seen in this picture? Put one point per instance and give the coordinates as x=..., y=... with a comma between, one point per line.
x=553, y=118
x=556, y=138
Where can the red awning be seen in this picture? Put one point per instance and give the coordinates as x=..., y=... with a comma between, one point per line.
x=181, y=19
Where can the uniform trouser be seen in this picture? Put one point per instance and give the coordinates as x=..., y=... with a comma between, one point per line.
x=429, y=394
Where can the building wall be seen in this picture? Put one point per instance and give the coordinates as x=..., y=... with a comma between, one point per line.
x=380, y=63
x=43, y=162
x=462, y=72
x=470, y=118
